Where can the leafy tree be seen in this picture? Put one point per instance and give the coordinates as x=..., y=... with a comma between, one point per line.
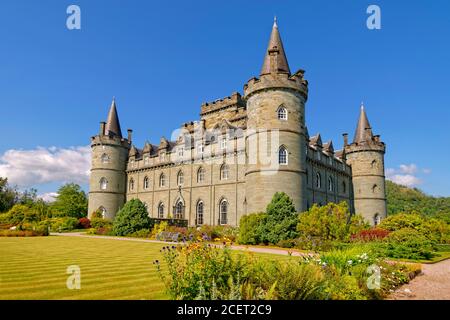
x=131, y=218
x=281, y=221
x=71, y=201
x=330, y=222
x=7, y=195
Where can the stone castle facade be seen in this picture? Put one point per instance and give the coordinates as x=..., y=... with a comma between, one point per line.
x=243, y=150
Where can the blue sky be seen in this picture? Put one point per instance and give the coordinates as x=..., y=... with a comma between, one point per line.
x=161, y=60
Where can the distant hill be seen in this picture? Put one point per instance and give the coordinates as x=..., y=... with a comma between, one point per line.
x=404, y=199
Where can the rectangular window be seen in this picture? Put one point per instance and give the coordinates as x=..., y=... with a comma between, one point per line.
x=200, y=148
x=223, y=143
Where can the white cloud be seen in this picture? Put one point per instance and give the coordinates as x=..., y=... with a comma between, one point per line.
x=426, y=171
x=405, y=180
x=48, y=197
x=405, y=175
x=26, y=168
x=408, y=169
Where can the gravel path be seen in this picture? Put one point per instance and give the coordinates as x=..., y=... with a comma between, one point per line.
x=432, y=284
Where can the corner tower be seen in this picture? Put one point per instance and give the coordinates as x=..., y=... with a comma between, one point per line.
x=276, y=133
x=107, y=184
x=366, y=158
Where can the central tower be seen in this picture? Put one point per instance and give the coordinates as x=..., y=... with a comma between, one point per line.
x=276, y=134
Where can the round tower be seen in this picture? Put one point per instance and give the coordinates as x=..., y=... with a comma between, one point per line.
x=276, y=134
x=107, y=186
x=366, y=158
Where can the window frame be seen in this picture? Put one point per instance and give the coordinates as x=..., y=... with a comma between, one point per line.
x=283, y=152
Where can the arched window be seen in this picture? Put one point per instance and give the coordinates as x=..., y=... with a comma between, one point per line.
x=146, y=183
x=201, y=175
x=180, y=178
x=161, y=210
x=102, y=211
x=318, y=180
x=282, y=156
x=344, y=187
x=131, y=185
x=223, y=212
x=103, y=183
x=200, y=208
x=282, y=113
x=105, y=158
x=178, y=210
x=162, y=180
x=224, y=172
x=330, y=184
x=376, y=219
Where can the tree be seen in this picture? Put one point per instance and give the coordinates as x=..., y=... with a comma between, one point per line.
x=131, y=218
x=7, y=195
x=251, y=228
x=71, y=201
x=281, y=220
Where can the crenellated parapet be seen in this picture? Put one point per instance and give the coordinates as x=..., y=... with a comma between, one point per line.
x=235, y=100
x=277, y=81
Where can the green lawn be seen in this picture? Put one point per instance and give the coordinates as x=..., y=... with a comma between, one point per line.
x=35, y=268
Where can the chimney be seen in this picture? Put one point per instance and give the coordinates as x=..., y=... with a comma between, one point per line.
x=345, y=135
x=102, y=128
x=129, y=135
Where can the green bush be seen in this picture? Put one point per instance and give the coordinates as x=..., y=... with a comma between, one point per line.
x=131, y=218
x=62, y=224
x=433, y=229
x=251, y=228
x=409, y=244
x=281, y=221
x=277, y=224
x=100, y=223
x=143, y=233
x=321, y=226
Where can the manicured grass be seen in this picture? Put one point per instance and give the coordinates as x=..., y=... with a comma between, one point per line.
x=35, y=268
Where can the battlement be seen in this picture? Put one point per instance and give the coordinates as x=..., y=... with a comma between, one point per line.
x=279, y=80
x=110, y=140
x=234, y=100
x=374, y=145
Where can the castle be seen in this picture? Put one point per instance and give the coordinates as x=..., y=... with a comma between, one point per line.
x=243, y=150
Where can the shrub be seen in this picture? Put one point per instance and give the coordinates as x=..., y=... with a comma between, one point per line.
x=281, y=221
x=143, y=233
x=433, y=229
x=131, y=218
x=251, y=228
x=332, y=222
x=84, y=223
x=409, y=244
x=61, y=224
x=100, y=223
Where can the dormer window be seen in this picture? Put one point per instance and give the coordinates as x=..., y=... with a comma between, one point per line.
x=319, y=155
x=146, y=160
x=282, y=113
x=162, y=156
x=180, y=152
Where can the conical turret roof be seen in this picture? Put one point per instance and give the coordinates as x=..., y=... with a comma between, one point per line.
x=362, y=134
x=278, y=63
x=112, y=124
